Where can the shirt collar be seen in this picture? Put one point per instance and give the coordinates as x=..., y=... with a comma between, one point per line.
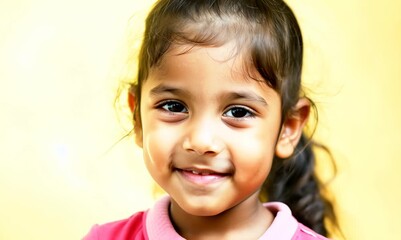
x=159, y=226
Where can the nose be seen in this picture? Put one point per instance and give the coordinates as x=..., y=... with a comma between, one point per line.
x=203, y=137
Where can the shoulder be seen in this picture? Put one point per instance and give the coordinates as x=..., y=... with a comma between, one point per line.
x=285, y=226
x=305, y=233
x=153, y=223
x=130, y=228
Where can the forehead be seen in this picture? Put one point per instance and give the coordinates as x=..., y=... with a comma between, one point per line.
x=206, y=72
x=226, y=61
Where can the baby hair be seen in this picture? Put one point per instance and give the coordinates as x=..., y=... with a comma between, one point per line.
x=268, y=38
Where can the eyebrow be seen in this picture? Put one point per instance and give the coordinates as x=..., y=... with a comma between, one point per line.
x=235, y=95
x=247, y=96
x=160, y=89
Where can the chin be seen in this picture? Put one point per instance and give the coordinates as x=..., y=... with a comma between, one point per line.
x=203, y=210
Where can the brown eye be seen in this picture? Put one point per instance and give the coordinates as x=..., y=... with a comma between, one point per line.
x=238, y=112
x=173, y=106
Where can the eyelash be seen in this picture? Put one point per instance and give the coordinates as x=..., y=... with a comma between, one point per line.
x=249, y=113
x=164, y=106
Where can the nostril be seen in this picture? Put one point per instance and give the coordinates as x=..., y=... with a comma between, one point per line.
x=203, y=147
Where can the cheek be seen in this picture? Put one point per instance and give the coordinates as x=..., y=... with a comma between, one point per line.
x=254, y=156
x=154, y=155
x=158, y=145
x=254, y=168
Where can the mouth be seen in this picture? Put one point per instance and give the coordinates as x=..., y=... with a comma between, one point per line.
x=202, y=176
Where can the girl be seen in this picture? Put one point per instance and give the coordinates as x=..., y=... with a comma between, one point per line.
x=219, y=114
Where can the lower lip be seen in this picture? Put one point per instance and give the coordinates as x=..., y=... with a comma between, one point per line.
x=201, y=179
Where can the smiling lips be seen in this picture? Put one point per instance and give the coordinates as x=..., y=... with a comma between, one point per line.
x=201, y=177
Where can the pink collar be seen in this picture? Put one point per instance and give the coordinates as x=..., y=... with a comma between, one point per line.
x=159, y=226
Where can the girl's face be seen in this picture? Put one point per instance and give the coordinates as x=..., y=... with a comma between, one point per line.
x=209, y=131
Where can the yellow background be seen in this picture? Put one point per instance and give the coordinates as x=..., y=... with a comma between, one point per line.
x=60, y=66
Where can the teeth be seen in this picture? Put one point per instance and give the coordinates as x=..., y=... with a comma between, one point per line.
x=199, y=173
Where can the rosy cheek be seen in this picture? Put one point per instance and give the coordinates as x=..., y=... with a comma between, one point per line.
x=158, y=147
x=253, y=158
x=152, y=153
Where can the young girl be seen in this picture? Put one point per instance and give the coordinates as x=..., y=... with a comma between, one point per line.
x=219, y=114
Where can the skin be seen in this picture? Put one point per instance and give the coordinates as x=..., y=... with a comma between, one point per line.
x=209, y=134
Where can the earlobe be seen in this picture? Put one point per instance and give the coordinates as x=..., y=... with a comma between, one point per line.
x=292, y=129
x=137, y=121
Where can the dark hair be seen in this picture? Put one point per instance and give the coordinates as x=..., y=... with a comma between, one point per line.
x=268, y=36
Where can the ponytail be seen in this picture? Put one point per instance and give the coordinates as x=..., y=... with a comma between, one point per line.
x=294, y=182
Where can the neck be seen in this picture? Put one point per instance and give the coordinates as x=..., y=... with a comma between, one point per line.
x=247, y=220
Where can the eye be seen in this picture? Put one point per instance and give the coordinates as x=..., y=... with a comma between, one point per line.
x=239, y=112
x=173, y=107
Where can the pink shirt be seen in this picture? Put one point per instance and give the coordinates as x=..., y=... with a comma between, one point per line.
x=155, y=224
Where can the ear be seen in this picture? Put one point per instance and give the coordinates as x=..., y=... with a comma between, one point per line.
x=137, y=119
x=292, y=128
